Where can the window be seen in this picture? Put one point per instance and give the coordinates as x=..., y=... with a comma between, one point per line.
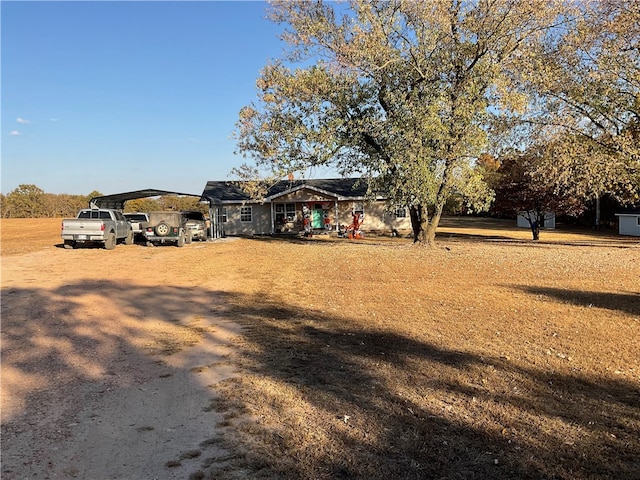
x=223, y=214
x=245, y=214
x=400, y=212
x=285, y=212
x=358, y=208
x=638, y=221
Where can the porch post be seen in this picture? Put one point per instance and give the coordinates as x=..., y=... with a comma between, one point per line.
x=336, y=215
x=273, y=230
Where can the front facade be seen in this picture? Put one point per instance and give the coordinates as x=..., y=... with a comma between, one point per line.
x=308, y=207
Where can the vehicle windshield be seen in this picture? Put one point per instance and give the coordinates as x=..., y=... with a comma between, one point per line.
x=194, y=215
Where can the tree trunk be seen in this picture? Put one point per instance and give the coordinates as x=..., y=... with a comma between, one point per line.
x=535, y=229
x=419, y=219
x=535, y=218
x=424, y=228
x=432, y=227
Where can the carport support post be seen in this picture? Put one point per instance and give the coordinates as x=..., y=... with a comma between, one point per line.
x=212, y=221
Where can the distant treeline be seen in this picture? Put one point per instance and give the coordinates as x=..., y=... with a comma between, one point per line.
x=30, y=201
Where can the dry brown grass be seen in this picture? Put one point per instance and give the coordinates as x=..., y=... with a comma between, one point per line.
x=493, y=358
x=490, y=357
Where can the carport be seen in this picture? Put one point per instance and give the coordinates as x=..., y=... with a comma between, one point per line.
x=116, y=201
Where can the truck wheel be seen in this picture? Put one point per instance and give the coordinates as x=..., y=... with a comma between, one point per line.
x=110, y=242
x=162, y=230
x=129, y=239
x=69, y=244
x=181, y=239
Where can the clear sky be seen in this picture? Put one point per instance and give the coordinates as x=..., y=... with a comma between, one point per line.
x=118, y=96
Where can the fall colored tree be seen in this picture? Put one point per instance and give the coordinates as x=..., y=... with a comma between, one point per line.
x=587, y=104
x=25, y=201
x=520, y=188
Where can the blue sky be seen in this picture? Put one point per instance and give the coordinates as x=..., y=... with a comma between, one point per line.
x=118, y=96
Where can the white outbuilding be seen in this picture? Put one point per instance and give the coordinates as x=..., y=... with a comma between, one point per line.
x=629, y=222
x=549, y=219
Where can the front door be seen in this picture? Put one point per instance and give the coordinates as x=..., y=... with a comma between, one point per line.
x=317, y=218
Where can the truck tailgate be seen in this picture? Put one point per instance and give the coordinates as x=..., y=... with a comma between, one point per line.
x=82, y=227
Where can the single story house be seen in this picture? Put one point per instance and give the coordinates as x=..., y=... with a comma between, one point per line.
x=629, y=222
x=301, y=206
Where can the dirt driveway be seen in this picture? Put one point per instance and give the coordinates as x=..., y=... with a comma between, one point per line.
x=109, y=360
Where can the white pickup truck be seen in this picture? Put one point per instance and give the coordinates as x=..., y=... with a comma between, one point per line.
x=138, y=221
x=96, y=225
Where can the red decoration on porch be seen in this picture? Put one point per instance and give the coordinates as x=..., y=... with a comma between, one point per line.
x=353, y=230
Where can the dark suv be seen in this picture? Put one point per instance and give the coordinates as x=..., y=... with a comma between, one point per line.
x=167, y=227
x=196, y=224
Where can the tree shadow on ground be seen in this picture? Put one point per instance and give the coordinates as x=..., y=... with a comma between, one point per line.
x=622, y=302
x=363, y=402
x=418, y=410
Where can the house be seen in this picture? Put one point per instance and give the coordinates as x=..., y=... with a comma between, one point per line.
x=340, y=206
x=629, y=222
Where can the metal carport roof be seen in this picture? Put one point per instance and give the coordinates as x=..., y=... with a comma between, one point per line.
x=117, y=200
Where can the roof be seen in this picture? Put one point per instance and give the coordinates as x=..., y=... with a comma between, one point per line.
x=341, y=188
x=629, y=211
x=117, y=200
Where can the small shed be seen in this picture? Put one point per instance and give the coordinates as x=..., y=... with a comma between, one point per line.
x=549, y=219
x=629, y=222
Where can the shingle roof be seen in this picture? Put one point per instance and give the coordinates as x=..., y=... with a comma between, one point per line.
x=230, y=191
x=629, y=211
